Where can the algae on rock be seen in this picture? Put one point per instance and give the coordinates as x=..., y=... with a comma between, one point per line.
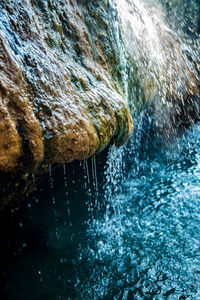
x=59, y=98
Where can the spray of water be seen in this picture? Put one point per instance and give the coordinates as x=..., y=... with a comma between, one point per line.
x=140, y=237
x=145, y=245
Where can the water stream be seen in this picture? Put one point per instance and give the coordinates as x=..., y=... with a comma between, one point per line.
x=123, y=225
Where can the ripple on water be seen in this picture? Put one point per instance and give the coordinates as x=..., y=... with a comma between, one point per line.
x=140, y=240
x=147, y=244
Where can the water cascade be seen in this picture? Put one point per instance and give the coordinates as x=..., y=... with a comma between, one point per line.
x=124, y=224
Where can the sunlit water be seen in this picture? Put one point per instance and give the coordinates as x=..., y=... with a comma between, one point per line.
x=138, y=237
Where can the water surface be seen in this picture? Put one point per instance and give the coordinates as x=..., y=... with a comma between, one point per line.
x=134, y=236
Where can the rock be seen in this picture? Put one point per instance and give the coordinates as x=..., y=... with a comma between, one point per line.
x=163, y=72
x=59, y=97
x=70, y=74
x=161, y=66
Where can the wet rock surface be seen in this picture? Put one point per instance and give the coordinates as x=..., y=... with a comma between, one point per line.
x=59, y=98
x=161, y=67
x=68, y=83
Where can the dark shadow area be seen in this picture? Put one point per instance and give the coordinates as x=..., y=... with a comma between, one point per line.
x=41, y=236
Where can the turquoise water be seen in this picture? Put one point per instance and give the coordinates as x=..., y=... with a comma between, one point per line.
x=147, y=244
x=131, y=232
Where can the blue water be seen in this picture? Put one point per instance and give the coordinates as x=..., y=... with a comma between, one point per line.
x=131, y=232
x=147, y=244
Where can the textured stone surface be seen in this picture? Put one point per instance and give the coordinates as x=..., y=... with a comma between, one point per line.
x=67, y=80
x=59, y=101
x=59, y=97
x=162, y=66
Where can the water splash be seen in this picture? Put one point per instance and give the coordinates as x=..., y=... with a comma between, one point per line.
x=95, y=180
x=140, y=237
x=165, y=66
x=147, y=242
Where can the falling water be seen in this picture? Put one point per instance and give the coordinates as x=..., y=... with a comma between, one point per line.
x=123, y=225
x=146, y=244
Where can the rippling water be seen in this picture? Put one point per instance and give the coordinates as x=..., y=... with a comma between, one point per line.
x=138, y=237
x=147, y=244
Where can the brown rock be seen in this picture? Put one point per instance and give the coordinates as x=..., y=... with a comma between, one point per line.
x=59, y=98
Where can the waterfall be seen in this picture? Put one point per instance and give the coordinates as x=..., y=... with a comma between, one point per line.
x=124, y=224
x=166, y=68
x=141, y=246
